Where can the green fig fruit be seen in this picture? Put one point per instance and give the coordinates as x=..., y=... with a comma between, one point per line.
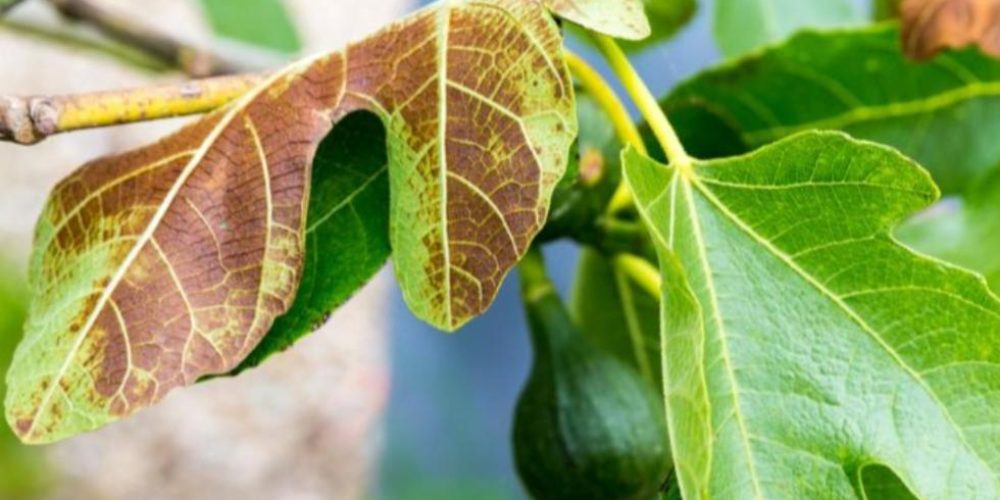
x=586, y=424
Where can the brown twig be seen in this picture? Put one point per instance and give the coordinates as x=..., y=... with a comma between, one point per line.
x=28, y=120
x=192, y=60
x=81, y=43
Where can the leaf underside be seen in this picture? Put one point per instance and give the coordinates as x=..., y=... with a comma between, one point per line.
x=802, y=341
x=347, y=233
x=618, y=18
x=941, y=113
x=666, y=18
x=159, y=266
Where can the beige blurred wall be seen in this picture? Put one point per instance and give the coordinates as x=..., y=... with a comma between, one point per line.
x=305, y=425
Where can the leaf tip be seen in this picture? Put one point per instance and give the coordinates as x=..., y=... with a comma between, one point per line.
x=23, y=427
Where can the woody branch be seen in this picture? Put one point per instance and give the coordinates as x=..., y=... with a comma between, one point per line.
x=29, y=119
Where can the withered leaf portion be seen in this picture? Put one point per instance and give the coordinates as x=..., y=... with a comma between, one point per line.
x=932, y=25
x=347, y=233
x=162, y=265
x=618, y=18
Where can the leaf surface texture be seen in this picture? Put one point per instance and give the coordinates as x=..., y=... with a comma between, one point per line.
x=941, y=113
x=159, y=266
x=347, y=231
x=802, y=341
x=618, y=18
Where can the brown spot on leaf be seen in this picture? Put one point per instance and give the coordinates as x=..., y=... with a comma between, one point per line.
x=23, y=425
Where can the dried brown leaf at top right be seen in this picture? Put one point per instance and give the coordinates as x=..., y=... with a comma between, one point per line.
x=930, y=26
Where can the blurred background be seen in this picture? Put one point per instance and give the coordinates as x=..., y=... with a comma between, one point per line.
x=375, y=404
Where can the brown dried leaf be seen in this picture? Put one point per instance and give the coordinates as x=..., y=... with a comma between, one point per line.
x=159, y=266
x=932, y=25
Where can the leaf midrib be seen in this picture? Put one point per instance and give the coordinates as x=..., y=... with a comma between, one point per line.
x=348, y=200
x=854, y=316
x=720, y=326
x=444, y=82
x=268, y=230
x=880, y=112
x=44, y=245
x=443, y=28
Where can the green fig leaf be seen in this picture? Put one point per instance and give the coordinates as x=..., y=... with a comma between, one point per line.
x=941, y=113
x=24, y=473
x=666, y=18
x=745, y=25
x=263, y=23
x=802, y=341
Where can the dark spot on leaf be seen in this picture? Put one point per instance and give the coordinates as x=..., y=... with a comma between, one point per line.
x=23, y=424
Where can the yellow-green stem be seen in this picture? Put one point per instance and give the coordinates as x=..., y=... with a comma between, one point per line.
x=640, y=271
x=534, y=280
x=645, y=101
x=607, y=99
x=632, y=323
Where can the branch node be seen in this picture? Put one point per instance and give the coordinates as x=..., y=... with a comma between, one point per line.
x=16, y=121
x=190, y=90
x=44, y=116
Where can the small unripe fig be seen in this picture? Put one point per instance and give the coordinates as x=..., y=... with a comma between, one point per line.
x=586, y=424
